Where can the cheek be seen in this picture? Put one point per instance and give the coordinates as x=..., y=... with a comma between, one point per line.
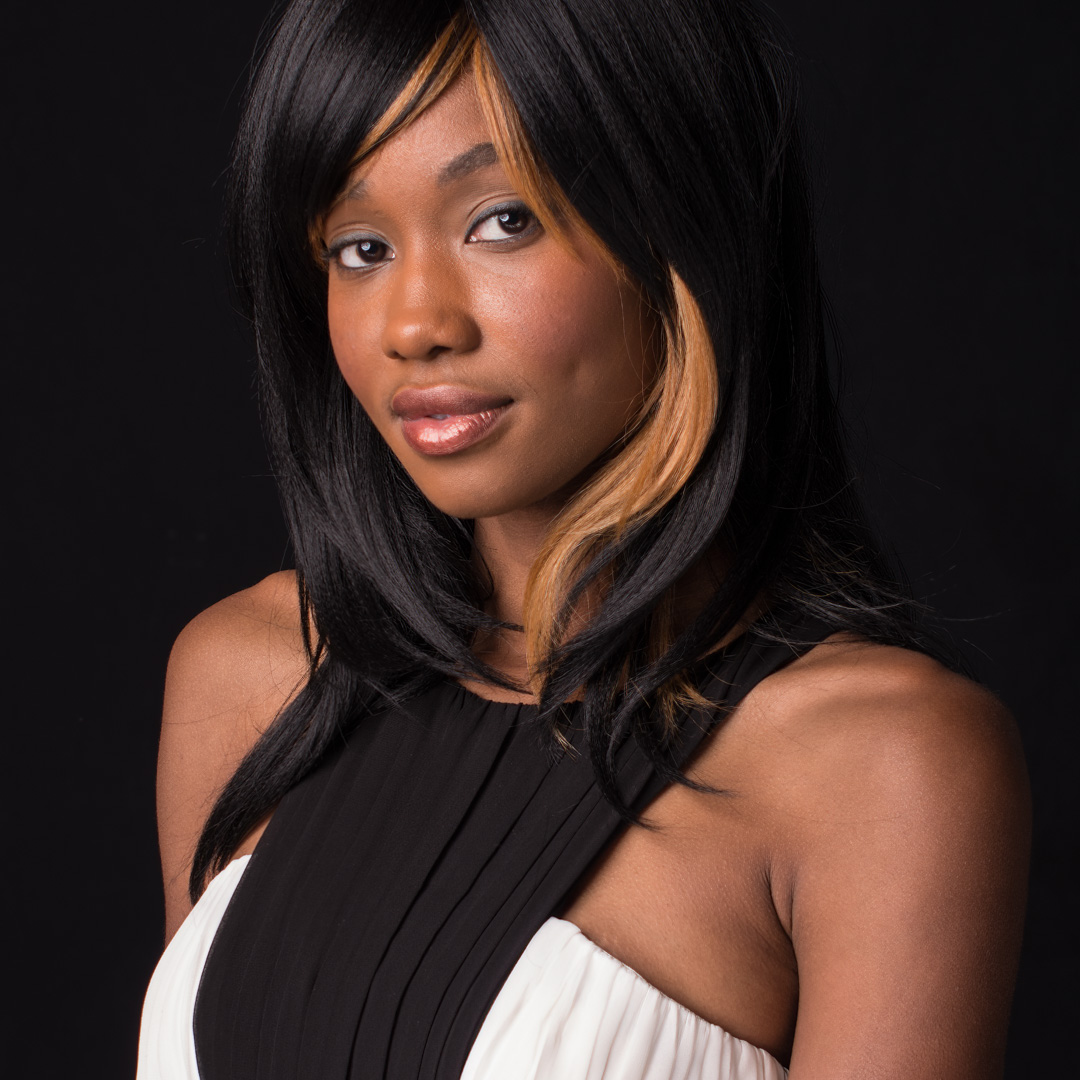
x=580, y=341
x=353, y=350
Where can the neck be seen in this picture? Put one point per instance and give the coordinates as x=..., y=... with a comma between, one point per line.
x=506, y=548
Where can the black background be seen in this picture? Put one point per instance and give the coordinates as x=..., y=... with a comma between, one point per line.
x=139, y=493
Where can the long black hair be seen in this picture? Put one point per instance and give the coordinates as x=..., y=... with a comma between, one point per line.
x=670, y=125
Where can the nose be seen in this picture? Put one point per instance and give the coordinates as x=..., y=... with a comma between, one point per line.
x=428, y=312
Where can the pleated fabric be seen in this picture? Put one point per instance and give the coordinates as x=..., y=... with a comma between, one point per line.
x=397, y=886
x=568, y=1010
x=571, y=1011
x=166, y=1034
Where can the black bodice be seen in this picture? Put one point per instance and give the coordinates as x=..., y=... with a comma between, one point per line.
x=396, y=886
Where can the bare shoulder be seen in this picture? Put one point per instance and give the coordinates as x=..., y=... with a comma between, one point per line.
x=230, y=671
x=868, y=721
x=897, y=793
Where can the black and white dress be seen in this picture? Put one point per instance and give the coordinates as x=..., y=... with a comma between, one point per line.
x=395, y=921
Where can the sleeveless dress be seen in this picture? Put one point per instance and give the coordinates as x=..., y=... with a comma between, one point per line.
x=395, y=921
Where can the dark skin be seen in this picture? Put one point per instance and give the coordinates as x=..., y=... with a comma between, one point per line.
x=854, y=905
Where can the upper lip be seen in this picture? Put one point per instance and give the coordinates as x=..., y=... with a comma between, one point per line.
x=414, y=402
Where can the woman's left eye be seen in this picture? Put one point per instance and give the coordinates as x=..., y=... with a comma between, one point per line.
x=503, y=223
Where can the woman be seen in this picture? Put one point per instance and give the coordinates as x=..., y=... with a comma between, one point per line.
x=591, y=737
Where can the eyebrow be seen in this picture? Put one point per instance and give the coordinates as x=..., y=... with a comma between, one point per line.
x=480, y=156
x=476, y=157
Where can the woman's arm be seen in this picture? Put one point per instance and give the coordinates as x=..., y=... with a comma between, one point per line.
x=231, y=670
x=906, y=862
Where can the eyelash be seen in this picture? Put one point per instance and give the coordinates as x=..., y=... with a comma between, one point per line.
x=334, y=252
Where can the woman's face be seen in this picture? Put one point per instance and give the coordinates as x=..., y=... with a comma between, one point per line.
x=497, y=364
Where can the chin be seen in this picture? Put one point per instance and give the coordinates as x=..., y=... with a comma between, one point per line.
x=479, y=496
x=463, y=503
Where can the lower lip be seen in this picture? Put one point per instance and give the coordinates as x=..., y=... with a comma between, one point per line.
x=436, y=437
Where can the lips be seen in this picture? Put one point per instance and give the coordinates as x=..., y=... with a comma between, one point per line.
x=438, y=420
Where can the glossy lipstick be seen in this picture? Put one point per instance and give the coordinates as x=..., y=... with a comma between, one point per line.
x=437, y=420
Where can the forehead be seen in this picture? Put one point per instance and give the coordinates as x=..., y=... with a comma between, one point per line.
x=448, y=140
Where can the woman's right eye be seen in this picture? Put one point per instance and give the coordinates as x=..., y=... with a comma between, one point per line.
x=356, y=254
